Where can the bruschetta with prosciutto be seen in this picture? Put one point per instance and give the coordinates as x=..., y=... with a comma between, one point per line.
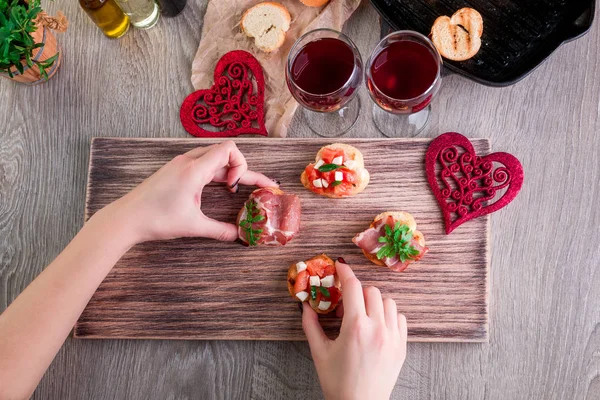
x=392, y=240
x=338, y=171
x=269, y=217
x=317, y=282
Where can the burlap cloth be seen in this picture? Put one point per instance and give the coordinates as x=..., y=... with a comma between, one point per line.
x=221, y=33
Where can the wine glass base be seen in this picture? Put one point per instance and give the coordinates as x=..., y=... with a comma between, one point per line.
x=396, y=126
x=333, y=124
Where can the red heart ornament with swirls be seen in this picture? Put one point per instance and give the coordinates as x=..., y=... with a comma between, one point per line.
x=465, y=184
x=234, y=105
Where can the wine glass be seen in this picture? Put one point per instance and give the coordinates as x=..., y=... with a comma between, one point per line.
x=403, y=74
x=324, y=70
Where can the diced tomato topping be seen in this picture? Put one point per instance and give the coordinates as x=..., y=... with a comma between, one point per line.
x=350, y=176
x=328, y=154
x=348, y=182
x=334, y=295
x=301, y=283
x=317, y=267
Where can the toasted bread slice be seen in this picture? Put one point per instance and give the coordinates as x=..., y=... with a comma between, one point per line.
x=353, y=154
x=405, y=219
x=291, y=279
x=314, y=3
x=267, y=23
x=458, y=38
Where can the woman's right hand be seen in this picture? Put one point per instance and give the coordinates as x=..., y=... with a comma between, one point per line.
x=365, y=360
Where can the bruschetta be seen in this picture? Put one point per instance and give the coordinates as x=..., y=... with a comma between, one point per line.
x=269, y=217
x=317, y=282
x=392, y=240
x=338, y=171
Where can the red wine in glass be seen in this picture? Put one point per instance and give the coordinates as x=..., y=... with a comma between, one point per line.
x=324, y=73
x=404, y=70
x=404, y=74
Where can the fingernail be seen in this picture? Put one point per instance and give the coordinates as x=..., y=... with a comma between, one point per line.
x=276, y=181
x=235, y=183
x=340, y=259
x=301, y=307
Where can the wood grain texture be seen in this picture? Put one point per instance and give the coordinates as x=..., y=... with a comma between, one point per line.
x=544, y=270
x=202, y=289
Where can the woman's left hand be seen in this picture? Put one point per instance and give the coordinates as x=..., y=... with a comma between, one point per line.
x=167, y=204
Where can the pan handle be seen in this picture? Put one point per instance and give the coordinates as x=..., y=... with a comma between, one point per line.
x=582, y=24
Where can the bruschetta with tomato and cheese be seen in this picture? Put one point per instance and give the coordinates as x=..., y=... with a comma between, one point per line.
x=338, y=171
x=392, y=240
x=315, y=281
x=269, y=217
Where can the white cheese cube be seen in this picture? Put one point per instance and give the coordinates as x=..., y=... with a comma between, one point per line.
x=328, y=281
x=301, y=266
x=324, y=305
x=324, y=183
x=302, y=296
x=339, y=176
x=319, y=164
x=317, y=183
x=351, y=164
x=338, y=160
x=315, y=281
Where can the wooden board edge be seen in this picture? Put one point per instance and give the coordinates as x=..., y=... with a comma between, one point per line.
x=86, y=211
x=481, y=340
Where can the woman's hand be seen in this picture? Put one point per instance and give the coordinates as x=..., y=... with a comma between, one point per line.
x=365, y=360
x=167, y=204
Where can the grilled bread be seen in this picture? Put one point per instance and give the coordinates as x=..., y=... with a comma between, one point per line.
x=267, y=23
x=458, y=38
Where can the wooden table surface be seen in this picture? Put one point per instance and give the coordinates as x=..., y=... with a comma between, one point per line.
x=545, y=274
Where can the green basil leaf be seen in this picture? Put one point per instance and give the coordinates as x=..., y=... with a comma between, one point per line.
x=313, y=292
x=325, y=291
x=335, y=183
x=329, y=167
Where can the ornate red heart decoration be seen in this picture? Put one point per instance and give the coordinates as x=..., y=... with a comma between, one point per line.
x=234, y=105
x=467, y=186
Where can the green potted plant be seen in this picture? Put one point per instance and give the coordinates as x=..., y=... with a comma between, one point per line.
x=29, y=52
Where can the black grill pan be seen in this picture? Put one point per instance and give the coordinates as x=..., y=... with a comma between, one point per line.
x=517, y=34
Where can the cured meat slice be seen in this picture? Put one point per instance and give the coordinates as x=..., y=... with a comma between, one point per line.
x=269, y=217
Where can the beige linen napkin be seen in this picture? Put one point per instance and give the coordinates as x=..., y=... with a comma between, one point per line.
x=221, y=33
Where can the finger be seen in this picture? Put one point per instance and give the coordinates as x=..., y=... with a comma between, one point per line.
x=390, y=310
x=402, y=327
x=249, y=178
x=352, y=294
x=225, y=154
x=214, y=229
x=373, y=303
x=198, y=151
x=313, y=330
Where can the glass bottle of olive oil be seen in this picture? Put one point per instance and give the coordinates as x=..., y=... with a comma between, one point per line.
x=107, y=15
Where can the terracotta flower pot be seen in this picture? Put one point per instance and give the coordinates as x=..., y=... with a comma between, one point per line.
x=31, y=75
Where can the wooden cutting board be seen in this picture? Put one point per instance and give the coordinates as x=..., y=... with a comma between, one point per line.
x=204, y=289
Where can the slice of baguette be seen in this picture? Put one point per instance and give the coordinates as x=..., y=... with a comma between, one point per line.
x=267, y=23
x=354, y=154
x=314, y=3
x=405, y=219
x=458, y=38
